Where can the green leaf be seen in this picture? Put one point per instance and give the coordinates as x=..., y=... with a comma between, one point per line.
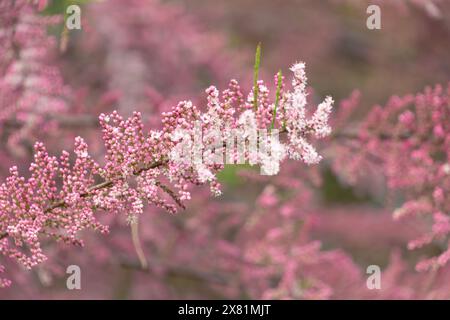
x=255, y=76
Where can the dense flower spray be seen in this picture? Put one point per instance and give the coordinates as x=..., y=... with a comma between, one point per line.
x=258, y=240
x=408, y=140
x=137, y=169
x=31, y=86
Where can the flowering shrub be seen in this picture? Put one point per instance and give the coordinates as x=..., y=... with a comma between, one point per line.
x=136, y=167
x=276, y=235
x=137, y=47
x=31, y=86
x=409, y=141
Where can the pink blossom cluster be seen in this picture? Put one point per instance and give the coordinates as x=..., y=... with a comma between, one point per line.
x=255, y=126
x=31, y=85
x=261, y=244
x=280, y=260
x=136, y=169
x=408, y=140
x=296, y=122
x=203, y=54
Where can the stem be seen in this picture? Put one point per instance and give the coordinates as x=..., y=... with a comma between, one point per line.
x=171, y=194
x=382, y=136
x=256, y=76
x=277, y=98
x=137, y=244
x=104, y=185
x=108, y=183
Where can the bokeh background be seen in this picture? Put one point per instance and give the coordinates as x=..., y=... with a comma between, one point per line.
x=261, y=238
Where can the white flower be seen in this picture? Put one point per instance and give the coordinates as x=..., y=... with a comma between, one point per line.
x=263, y=89
x=319, y=121
x=270, y=163
x=203, y=173
x=247, y=122
x=180, y=135
x=83, y=154
x=446, y=168
x=247, y=119
x=298, y=69
x=155, y=134
x=301, y=149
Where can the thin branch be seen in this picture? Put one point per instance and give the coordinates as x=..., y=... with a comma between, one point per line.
x=277, y=98
x=171, y=194
x=382, y=136
x=256, y=76
x=109, y=183
x=137, y=244
x=64, y=121
x=103, y=185
x=177, y=270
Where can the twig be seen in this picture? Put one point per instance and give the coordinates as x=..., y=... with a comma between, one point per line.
x=64, y=121
x=137, y=244
x=256, y=76
x=171, y=194
x=100, y=186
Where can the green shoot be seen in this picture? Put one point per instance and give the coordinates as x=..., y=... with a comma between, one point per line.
x=277, y=97
x=255, y=76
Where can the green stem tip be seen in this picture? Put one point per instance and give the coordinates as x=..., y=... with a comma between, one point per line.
x=256, y=75
x=277, y=97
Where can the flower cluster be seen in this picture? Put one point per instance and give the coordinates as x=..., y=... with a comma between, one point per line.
x=253, y=128
x=31, y=86
x=58, y=200
x=409, y=139
x=297, y=123
x=261, y=242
